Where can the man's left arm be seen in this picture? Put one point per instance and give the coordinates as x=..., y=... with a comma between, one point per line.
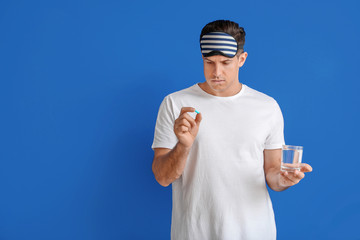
x=279, y=180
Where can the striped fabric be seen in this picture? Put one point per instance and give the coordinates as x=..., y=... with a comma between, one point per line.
x=215, y=43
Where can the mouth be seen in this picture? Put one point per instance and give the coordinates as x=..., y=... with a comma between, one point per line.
x=217, y=80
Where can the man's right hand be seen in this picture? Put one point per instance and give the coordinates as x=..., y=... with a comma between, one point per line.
x=186, y=128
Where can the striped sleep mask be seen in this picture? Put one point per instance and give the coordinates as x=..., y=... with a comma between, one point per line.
x=218, y=43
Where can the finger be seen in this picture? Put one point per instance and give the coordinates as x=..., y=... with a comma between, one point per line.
x=286, y=180
x=183, y=129
x=198, y=118
x=298, y=175
x=295, y=176
x=187, y=109
x=184, y=122
x=188, y=118
x=306, y=167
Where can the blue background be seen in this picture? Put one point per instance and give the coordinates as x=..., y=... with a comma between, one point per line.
x=80, y=87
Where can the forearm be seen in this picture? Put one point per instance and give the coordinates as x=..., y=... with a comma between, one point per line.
x=169, y=167
x=273, y=180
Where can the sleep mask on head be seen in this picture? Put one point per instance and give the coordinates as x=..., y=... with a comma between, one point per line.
x=218, y=43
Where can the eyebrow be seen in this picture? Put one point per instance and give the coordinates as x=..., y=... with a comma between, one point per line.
x=220, y=61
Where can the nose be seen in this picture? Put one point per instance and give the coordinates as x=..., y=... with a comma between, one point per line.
x=217, y=71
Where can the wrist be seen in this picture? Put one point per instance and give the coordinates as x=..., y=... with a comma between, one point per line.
x=183, y=147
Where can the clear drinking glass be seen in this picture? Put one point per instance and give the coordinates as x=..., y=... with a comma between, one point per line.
x=291, y=158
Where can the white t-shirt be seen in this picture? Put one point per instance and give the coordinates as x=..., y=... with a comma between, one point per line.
x=222, y=192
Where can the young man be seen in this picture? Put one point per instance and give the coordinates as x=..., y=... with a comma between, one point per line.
x=218, y=160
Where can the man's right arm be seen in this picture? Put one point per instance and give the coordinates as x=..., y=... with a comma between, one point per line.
x=169, y=164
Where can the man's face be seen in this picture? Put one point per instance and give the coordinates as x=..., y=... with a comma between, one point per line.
x=222, y=74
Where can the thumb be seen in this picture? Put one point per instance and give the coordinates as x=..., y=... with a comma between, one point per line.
x=198, y=118
x=306, y=167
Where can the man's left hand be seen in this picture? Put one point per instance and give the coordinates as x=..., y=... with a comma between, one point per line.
x=288, y=179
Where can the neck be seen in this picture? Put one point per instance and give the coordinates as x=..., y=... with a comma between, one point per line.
x=231, y=90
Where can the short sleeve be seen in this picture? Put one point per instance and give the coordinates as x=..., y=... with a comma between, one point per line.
x=164, y=136
x=275, y=138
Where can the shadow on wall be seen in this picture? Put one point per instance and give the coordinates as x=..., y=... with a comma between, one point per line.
x=130, y=195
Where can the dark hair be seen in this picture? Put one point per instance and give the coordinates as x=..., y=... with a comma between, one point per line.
x=228, y=27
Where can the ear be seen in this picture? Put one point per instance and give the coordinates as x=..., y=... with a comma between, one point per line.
x=242, y=59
